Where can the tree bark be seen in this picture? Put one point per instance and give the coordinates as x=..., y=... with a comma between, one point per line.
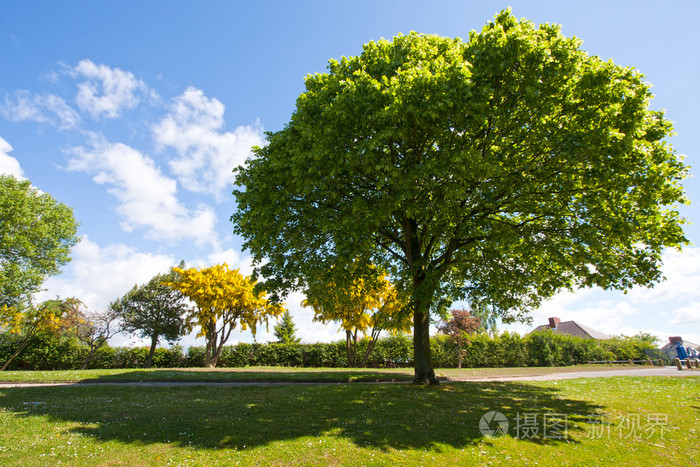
x=211, y=343
x=424, y=373
x=154, y=343
x=17, y=352
x=94, y=347
x=351, y=347
x=370, y=347
x=459, y=355
x=88, y=357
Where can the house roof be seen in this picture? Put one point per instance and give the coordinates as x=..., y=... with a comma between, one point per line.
x=684, y=344
x=573, y=328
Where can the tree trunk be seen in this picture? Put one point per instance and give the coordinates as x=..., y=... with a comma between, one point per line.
x=16, y=352
x=88, y=357
x=214, y=360
x=154, y=343
x=94, y=347
x=459, y=356
x=210, y=358
x=370, y=347
x=210, y=338
x=351, y=348
x=424, y=373
x=208, y=353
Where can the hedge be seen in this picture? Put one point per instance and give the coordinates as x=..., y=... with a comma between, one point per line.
x=480, y=350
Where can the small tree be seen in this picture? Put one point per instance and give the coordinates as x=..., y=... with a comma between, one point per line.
x=94, y=329
x=285, y=330
x=52, y=316
x=364, y=301
x=458, y=327
x=488, y=318
x=224, y=298
x=154, y=310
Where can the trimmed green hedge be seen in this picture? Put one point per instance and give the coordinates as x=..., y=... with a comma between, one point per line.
x=506, y=350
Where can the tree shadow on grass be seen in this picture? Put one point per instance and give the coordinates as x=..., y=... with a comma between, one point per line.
x=383, y=416
x=252, y=375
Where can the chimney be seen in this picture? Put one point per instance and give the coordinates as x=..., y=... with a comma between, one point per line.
x=674, y=339
x=553, y=322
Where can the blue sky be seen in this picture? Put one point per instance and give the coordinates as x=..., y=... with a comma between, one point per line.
x=134, y=113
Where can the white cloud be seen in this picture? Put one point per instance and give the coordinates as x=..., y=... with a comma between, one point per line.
x=98, y=275
x=307, y=329
x=44, y=108
x=603, y=315
x=687, y=314
x=230, y=257
x=207, y=155
x=105, y=91
x=148, y=199
x=8, y=164
x=682, y=272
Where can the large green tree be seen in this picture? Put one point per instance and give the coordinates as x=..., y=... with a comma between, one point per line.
x=501, y=170
x=36, y=236
x=154, y=310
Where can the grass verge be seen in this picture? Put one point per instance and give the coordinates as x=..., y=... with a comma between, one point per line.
x=621, y=420
x=281, y=374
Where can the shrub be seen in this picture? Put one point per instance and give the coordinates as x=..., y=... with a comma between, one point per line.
x=544, y=348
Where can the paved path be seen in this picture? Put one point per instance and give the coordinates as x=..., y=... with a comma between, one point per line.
x=666, y=371
x=657, y=371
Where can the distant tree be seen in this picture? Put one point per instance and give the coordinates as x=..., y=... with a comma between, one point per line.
x=52, y=316
x=506, y=167
x=154, y=310
x=488, y=317
x=224, y=298
x=364, y=301
x=94, y=329
x=458, y=327
x=646, y=338
x=36, y=236
x=285, y=330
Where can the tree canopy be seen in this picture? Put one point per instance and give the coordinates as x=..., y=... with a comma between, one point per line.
x=363, y=300
x=224, y=298
x=500, y=169
x=36, y=236
x=285, y=330
x=27, y=320
x=94, y=329
x=460, y=324
x=154, y=310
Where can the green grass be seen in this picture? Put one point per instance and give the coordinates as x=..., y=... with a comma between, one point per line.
x=205, y=374
x=278, y=374
x=351, y=424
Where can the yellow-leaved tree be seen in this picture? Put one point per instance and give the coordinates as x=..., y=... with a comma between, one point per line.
x=363, y=302
x=224, y=298
x=27, y=320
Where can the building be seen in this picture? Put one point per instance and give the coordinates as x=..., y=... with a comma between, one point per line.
x=670, y=347
x=571, y=328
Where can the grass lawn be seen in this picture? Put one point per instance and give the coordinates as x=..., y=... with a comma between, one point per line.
x=644, y=420
x=280, y=374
